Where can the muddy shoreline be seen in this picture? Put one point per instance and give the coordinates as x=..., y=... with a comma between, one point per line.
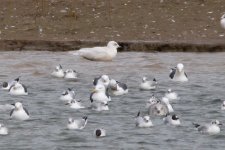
x=146, y=46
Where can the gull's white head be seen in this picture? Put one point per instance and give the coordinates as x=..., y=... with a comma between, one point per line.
x=70, y=120
x=146, y=118
x=18, y=105
x=113, y=84
x=105, y=78
x=180, y=67
x=113, y=44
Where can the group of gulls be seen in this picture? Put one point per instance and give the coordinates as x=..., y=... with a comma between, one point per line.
x=105, y=88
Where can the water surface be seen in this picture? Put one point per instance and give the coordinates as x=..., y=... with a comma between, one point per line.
x=200, y=101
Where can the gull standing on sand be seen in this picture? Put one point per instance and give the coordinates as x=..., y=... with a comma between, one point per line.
x=106, y=53
x=222, y=21
x=212, y=128
x=178, y=74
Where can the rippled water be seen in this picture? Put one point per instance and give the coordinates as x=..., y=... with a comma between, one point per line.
x=200, y=101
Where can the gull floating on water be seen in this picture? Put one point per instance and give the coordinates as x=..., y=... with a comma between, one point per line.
x=178, y=74
x=3, y=129
x=70, y=74
x=222, y=21
x=75, y=104
x=158, y=109
x=100, y=94
x=7, y=85
x=212, y=128
x=103, y=79
x=168, y=105
x=172, y=119
x=18, y=89
x=19, y=112
x=171, y=95
x=148, y=84
x=58, y=72
x=117, y=88
x=100, y=132
x=77, y=124
x=143, y=122
x=68, y=95
x=106, y=53
x=98, y=106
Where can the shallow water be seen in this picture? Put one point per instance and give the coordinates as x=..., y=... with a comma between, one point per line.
x=200, y=101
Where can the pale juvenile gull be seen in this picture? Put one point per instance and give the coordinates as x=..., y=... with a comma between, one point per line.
x=106, y=53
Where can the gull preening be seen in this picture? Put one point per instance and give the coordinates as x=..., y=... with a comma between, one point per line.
x=77, y=124
x=58, y=72
x=148, y=84
x=117, y=88
x=211, y=128
x=19, y=112
x=222, y=21
x=178, y=74
x=143, y=121
x=106, y=53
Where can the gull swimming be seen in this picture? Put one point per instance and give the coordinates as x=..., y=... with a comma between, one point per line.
x=117, y=88
x=68, y=95
x=143, y=122
x=178, y=74
x=58, y=72
x=77, y=124
x=222, y=21
x=212, y=128
x=7, y=85
x=100, y=132
x=106, y=53
x=3, y=129
x=148, y=84
x=75, y=104
x=18, y=89
x=171, y=95
x=19, y=112
x=103, y=79
x=70, y=74
x=100, y=94
x=172, y=119
x=158, y=109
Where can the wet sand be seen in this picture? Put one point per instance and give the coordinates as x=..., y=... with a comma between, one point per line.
x=157, y=25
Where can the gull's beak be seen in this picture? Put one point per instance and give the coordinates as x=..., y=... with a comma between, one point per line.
x=94, y=90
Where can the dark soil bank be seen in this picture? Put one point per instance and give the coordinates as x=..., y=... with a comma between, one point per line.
x=146, y=25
